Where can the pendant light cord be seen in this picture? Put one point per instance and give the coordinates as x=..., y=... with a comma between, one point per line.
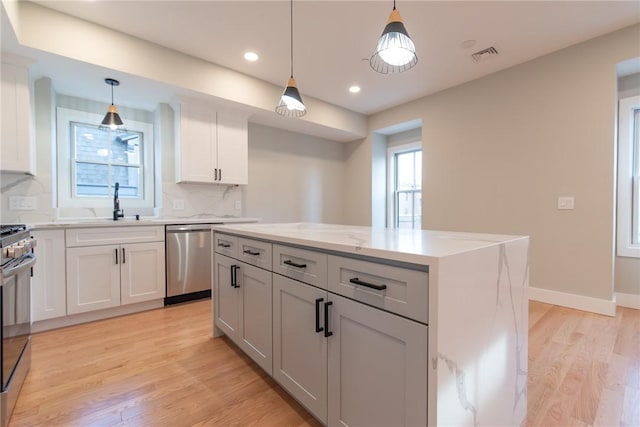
x=291, y=16
x=112, y=94
x=394, y=4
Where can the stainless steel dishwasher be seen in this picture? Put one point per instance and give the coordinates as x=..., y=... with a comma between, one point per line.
x=188, y=262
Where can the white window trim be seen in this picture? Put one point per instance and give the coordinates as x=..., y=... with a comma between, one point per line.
x=627, y=188
x=65, y=190
x=391, y=176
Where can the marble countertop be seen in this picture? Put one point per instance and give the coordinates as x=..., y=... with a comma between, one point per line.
x=126, y=222
x=412, y=246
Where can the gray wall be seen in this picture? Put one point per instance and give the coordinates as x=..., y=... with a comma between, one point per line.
x=294, y=177
x=499, y=151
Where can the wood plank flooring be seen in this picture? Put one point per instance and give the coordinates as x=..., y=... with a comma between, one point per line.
x=161, y=368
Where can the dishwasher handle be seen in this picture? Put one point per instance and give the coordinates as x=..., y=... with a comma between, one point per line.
x=189, y=227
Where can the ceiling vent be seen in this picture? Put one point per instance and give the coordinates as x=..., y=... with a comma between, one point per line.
x=484, y=54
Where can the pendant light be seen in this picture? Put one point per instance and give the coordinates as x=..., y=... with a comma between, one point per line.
x=112, y=120
x=291, y=104
x=395, y=52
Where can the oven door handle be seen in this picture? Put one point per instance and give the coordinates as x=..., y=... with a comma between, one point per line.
x=26, y=262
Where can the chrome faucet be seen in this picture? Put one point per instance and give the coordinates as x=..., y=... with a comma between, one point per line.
x=117, y=212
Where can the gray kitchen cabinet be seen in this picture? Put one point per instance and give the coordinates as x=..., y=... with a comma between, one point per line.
x=48, y=286
x=299, y=346
x=17, y=143
x=243, y=307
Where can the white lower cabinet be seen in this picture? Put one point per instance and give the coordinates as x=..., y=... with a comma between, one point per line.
x=107, y=276
x=48, y=286
x=299, y=352
x=243, y=307
x=362, y=367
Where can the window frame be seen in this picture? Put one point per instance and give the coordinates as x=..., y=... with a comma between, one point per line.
x=628, y=220
x=392, y=151
x=66, y=164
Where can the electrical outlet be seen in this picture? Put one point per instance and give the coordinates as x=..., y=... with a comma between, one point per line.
x=22, y=203
x=566, y=203
x=178, y=205
x=238, y=205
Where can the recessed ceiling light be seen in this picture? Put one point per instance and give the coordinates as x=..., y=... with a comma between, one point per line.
x=354, y=89
x=251, y=56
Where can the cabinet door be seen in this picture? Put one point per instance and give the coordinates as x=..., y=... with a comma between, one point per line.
x=299, y=352
x=93, y=278
x=17, y=145
x=196, y=144
x=142, y=272
x=377, y=365
x=256, y=314
x=48, y=287
x=226, y=312
x=233, y=148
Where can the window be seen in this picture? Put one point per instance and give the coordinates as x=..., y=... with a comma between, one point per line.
x=628, y=223
x=405, y=186
x=91, y=161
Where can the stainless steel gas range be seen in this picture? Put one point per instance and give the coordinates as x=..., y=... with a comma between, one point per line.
x=18, y=259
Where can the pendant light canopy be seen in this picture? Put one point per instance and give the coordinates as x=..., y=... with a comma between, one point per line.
x=291, y=104
x=395, y=52
x=112, y=120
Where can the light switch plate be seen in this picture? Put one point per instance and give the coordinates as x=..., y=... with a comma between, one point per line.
x=178, y=205
x=22, y=203
x=566, y=203
x=238, y=205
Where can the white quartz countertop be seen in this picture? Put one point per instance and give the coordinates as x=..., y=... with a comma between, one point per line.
x=107, y=222
x=413, y=246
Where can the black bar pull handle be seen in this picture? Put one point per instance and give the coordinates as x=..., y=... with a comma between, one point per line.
x=234, y=273
x=124, y=259
x=116, y=250
x=293, y=264
x=327, y=332
x=224, y=245
x=220, y=175
x=215, y=174
x=357, y=281
x=250, y=252
x=318, y=327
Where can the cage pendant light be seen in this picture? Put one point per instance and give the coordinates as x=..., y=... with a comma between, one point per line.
x=291, y=104
x=112, y=120
x=395, y=52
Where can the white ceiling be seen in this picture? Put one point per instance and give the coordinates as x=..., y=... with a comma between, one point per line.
x=334, y=39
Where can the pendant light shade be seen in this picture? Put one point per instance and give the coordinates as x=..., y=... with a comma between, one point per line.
x=112, y=120
x=395, y=52
x=291, y=104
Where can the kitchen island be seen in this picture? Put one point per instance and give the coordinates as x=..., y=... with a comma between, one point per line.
x=406, y=327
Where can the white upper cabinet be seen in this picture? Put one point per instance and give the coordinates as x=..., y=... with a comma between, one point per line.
x=17, y=145
x=211, y=145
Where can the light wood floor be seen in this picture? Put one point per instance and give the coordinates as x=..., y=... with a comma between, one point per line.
x=161, y=368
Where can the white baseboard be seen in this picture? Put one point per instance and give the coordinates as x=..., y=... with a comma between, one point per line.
x=628, y=300
x=579, y=302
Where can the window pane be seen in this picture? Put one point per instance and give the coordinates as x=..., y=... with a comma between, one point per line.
x=417, y=210
x=129, y=179
x=125, y=149
x=405, y=171
x=90, y=144
x=92, y=179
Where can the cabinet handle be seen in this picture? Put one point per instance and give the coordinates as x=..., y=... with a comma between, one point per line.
x=293, y=264
x=220, y=175
x=318, y=327
x=327, y=332
x=116, y=250
x=250, y=252
x=215, y=174
x=224, y=245
x=124, y=258
x=357, y=281
x=234, y=276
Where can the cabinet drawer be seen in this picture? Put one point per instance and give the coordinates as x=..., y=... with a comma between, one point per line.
x=300, y=264
x=255, y=252
x=113, y=235
x=226, y=245
x=401, y=290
